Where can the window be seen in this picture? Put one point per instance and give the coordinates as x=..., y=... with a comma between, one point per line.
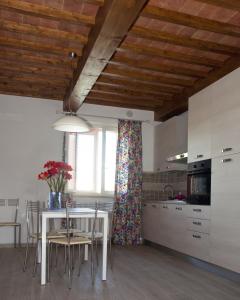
x=93, y=157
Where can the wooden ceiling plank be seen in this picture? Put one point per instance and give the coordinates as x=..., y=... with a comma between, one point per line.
x=196, y=22
x=180, y=101
x=33, y=57
x=123, y=73
x=113, y=21
x=122, y=99
x=229, y=4
x=92, y=100
x=130, y=94
x=44, y=11
x=156, y=35
x=31, y=93
x=171, y=55
x=42, y=31
x=156, y=67
x=38, y=47
x=136, y=86
x=38, y=77
x=34, y=70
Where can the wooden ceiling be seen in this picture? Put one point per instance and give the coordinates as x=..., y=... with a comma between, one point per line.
x=145, y=54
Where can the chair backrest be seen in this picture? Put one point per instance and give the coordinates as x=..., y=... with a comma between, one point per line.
x=11, y=203
x=68, y=220
x=33, y=210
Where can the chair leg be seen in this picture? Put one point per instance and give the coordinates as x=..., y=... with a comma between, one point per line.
x=79, y=259
x=92, y=264
x=65, y=259
x=19, y=235
x=73, y=255
x=56, y=261
x=35, y=259
x=26, y=255
x=96, y=245
x=69, y=268
x=110, y=253
x=15, y=236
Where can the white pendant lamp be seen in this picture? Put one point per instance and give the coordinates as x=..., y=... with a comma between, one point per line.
x=71, y=123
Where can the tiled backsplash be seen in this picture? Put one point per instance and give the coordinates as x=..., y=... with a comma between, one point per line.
x=154, y=183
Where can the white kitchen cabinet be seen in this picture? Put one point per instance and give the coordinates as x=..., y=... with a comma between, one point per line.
x=151, y=220
x=170, y=139
x=225, y=220
x=199, y=127
x=197, y=244
x=225, y=122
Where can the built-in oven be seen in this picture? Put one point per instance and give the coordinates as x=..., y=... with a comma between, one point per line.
x=199, y=183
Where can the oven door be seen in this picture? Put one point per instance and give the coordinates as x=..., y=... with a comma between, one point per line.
x=199, y=188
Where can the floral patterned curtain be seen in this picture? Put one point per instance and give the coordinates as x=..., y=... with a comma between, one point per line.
x=128, y=189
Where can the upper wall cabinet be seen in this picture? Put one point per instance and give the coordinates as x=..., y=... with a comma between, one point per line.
x=226, y=116
x=199, y=126
x=170, y=139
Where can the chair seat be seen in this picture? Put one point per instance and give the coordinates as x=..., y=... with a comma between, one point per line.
x=98, y=235
x=50, y=235
x=3, y=224
x=73, y=241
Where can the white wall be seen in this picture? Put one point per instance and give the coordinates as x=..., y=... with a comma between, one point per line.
x=27, y=142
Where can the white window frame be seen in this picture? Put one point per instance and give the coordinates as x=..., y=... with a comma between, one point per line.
x=91, y=193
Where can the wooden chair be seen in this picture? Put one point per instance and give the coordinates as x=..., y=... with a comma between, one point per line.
x=69, y=242
x=13, y=223
x=33, y=218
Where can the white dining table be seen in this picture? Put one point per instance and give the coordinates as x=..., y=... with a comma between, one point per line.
x=85, y=213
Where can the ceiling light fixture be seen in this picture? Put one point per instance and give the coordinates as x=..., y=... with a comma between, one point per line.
x=71, y=123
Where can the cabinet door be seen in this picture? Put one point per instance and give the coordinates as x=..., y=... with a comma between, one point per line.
x=225, y=212
x=226, y=117
x=151, y=222
x=197, y=244
x=199, y=127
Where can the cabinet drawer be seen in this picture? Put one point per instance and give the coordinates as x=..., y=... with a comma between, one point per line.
x=197, y=244
x=198, y=225
x=198, y=212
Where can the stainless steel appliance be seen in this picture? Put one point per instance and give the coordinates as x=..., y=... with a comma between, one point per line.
x=199, y=183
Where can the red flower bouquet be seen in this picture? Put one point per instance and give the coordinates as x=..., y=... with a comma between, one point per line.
x=56, y=175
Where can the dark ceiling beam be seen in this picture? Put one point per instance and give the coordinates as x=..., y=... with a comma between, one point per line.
x=196, y=22
x=42, y=31
x=229, y=4
x=180, y=40
x=171, y=55
x=113, y=21
x=180, y=101
x=44, y=11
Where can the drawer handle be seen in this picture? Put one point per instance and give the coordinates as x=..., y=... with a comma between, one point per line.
x=226, y=149
x=154, y=206
x=196, y=236
x=165, y=206
x=226, y=160
x=197, y=223
x=144, y=205
x=197, y=209
x=199, y=155
x=179, y=208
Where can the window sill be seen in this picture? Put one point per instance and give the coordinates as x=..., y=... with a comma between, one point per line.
x=91, y=195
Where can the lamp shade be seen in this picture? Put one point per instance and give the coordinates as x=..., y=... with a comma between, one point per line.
x=71, y=123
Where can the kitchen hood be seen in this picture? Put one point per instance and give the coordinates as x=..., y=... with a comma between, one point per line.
x=179, y=158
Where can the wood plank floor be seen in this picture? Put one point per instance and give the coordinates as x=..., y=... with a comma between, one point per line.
x=141, y=273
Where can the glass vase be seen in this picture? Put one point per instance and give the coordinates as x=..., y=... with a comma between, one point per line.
x=55, y=200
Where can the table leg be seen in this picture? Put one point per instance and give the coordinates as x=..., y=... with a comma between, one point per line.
x=104, y=245
x=43, y=265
